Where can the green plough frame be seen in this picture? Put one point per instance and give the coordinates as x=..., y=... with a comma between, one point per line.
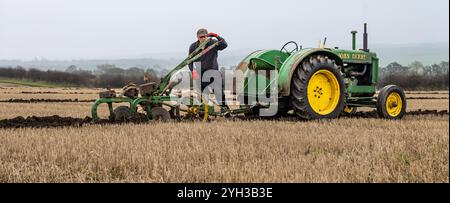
x=161, y=98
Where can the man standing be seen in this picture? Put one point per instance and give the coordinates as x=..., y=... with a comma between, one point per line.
x=208, y=62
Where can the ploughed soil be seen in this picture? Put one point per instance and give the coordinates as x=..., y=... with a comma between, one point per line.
x=91, y=100
x=57, y=121
x=43, y=100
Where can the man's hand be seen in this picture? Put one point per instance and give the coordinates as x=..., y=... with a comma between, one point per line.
x=194, y=75
x=212, y=34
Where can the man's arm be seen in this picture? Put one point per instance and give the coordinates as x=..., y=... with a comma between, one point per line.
x=222, y=43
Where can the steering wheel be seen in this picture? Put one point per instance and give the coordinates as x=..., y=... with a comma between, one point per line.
x=292, y=51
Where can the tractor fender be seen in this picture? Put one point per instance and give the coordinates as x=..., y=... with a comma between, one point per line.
x=243, y=65
x=292, y=63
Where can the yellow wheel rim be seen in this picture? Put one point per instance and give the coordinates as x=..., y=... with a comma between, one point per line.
x=394, y=104
x=348, y=109
x=323, y=92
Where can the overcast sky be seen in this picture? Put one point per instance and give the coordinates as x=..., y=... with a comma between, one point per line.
x=86, y=29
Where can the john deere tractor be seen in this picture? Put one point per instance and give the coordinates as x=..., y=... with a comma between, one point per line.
x=315, y=83
x=320, y=82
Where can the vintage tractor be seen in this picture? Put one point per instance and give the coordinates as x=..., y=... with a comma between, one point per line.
x=320, y=82
x=314, y=83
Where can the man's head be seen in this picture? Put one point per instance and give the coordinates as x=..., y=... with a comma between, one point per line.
x=202, y=35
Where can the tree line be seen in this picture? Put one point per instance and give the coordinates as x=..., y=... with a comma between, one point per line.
x=415, y=76
x=105, y=75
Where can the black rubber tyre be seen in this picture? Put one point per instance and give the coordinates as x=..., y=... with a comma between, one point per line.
x=383, y=102
x=299, y=87
x=122, y=113
x=160, y=114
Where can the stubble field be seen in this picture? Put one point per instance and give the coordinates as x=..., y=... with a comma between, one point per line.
x=415, y=149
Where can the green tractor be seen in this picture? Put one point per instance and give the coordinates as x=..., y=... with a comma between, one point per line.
x=315, y=83
x=319, y=83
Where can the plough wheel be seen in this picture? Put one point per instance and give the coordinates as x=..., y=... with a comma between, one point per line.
x=160, y=114
x=122, y=113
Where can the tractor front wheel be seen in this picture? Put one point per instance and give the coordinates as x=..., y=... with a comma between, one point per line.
x=391, y=102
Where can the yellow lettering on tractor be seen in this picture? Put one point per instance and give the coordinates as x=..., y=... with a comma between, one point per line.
x=350, y=56
x=359, y=56
x=344, y=55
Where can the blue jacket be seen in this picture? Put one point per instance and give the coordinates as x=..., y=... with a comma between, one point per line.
x=209, y=60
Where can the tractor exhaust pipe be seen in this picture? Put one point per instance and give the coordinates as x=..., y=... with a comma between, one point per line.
x=354, y=39
x=366, y=39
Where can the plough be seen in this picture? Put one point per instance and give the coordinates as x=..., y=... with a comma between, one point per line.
x=154, y=97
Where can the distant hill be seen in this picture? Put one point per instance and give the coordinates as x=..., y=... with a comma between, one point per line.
x=43, y=64
x=404, y=54
x=428, y=54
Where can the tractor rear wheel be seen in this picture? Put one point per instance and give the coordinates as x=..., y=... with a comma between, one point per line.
x=317, y=89
x=391, y=102
x=122, y=113
x=160, y=114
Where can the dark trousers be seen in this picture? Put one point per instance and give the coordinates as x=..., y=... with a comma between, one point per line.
x=217, y=89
